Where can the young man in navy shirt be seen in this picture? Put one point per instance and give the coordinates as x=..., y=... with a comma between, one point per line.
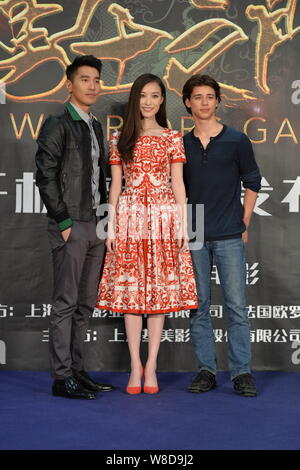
x=219, y=158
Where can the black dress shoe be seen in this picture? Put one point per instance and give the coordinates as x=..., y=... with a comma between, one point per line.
x=71, y=388
x=89, y=384
x=244, y=385
x=203, y=382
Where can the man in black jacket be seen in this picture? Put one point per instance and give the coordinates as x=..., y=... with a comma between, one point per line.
x=72, y=184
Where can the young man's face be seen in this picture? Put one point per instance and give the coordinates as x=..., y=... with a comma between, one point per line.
x=203, y=102
x=85, y=87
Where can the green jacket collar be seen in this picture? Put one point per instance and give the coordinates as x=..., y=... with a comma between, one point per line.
x=73, y=113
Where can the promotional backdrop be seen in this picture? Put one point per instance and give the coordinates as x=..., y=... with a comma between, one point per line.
x=252, y=48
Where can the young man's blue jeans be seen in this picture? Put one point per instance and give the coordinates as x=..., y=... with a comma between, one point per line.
x=229, y=258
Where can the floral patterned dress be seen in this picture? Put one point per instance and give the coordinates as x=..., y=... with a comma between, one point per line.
x=148, y=273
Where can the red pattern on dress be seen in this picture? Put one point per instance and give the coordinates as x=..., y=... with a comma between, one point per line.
x=148, y=273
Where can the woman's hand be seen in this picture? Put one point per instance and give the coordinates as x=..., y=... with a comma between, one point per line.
x=111, y=239
x=110, y=244
x=182, y=239
x=185, y=243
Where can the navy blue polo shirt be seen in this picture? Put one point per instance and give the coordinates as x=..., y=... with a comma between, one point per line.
x=213, y=177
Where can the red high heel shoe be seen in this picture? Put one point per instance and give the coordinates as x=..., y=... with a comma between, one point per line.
x=135, y=390
x=150, y=390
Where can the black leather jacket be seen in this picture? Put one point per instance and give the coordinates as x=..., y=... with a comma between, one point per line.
x=64, y=166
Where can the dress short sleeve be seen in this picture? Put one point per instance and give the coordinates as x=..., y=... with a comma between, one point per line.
x=114, y=154
x=177, y=153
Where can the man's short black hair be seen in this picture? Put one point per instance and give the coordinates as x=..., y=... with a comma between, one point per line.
x=81, y=60
x=199, y=80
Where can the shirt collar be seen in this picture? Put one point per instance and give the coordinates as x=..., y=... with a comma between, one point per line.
x=87, y=117
x=195, y=139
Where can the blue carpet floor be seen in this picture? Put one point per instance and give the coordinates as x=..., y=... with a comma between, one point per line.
x=31, y=418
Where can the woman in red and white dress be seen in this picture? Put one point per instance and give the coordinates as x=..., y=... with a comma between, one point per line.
x=148, y=267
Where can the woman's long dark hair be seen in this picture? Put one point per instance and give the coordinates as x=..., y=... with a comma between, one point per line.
x=133, y=120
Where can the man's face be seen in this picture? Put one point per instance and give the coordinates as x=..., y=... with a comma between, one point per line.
x=203, y=102
x=85, y=87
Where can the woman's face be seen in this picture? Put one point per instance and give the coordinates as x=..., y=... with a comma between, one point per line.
x=150, y=100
